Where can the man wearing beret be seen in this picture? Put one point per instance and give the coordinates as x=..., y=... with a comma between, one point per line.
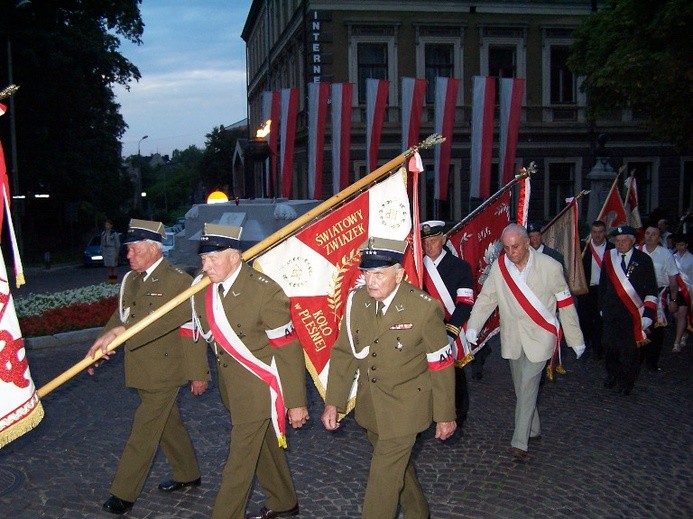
x=393, y=336
x=157, y=363
x=244, y=316
x=449, y=280
x=627, y=302
x=528, y=288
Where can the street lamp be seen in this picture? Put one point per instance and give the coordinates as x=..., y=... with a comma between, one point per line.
x=138, y=145
x=139, y=166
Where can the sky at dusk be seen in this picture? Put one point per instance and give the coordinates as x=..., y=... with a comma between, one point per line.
x=192, y=62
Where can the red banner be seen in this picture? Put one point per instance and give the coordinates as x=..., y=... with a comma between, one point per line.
x=478, y=243
x=613, y=213
x=318, y=266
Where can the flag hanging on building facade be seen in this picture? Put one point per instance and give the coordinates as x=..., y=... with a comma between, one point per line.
x=413, y=99
x=510, y=94
x=20, y=407
x=562, y=234
x=271, y=108
x=341, y=134
x=318, y=95
x=613, y=213
x=288, y=132
x=444, y=108
x=318, y=266
x=630, y=204
x=376, y=104
x=483, y=96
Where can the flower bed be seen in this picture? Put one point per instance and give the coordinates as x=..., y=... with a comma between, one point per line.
x=48, y=314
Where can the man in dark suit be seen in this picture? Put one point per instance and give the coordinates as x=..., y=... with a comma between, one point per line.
x=393, y=335
x=157, y=363
x=449, y=280
x=534, y=232
x=588, y=304
x=244, y=316
x=627, y=301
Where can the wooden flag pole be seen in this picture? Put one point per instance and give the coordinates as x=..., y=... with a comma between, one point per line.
x=248, y=255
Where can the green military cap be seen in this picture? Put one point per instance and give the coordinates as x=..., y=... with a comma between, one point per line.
x=217, y=237
x=139, y=230
x=380, y=252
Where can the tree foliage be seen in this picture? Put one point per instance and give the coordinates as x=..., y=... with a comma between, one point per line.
x=65, y=59
x=217, y=159
x=638, y=54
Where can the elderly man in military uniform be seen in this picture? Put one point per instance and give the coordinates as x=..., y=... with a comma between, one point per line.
x=394, y=336
x=244, y=316
x=449, y=279
x=157, y=363
x=628, y=303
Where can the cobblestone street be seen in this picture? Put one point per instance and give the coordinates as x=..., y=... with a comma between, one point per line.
x=603, y=455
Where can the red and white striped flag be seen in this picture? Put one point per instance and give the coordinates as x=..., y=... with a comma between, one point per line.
x=511, y=93
x=271, y=106
x=20, y=407
x=376, y=103
x=318, y=94
x=445, y=102
x=413, y=98
x=483, y=94
x=318, y=266
x=288, y=132
x=630, y=204
x=341, y=135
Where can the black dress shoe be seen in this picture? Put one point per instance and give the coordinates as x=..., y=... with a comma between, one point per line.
x=535, y=439
x=266, y=513
x=115, y=505
x=172, y=485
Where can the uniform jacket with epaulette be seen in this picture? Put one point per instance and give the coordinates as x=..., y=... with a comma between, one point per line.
x=157, y=356
x=254, y=305
x=398, y=394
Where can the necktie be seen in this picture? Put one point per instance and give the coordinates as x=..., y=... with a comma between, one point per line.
x=379, y=310
x=623, y=262
x=220, y=288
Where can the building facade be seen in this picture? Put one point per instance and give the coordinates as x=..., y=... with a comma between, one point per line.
x=291, y=43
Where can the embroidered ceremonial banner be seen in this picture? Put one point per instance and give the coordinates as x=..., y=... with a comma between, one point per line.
x=317, y=266
x=341, y=135
x=271, y=108
x=630, y=204
x=318, y=94
x=20, y=408
x=376, y=103
x=445, y=102
x=413, y=98
x=511, y=92
x=288, y=132
x=478, y=242
x=562, y=234
x=483, y=93
x=613, y=213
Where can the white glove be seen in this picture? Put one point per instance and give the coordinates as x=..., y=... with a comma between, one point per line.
x=646, y=323
x=579, y=350
x=472, y=336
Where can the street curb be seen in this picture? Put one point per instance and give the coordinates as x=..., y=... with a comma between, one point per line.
x=61, y=339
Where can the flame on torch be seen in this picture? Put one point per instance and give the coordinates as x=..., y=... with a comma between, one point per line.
x=264, y=130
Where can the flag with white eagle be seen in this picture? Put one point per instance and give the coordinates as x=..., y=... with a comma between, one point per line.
x=318, y=265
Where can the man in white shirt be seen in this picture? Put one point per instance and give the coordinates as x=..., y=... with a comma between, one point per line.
x=684, y=262
x=666, y=272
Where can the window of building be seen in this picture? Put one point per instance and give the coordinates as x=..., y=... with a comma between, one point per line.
x=563, y=81
x=561, y=96
x=372, y=64
x=559, y=185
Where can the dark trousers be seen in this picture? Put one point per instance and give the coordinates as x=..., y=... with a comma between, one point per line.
x=621, y=355
x=591, y=321
x=461, y=395
x=649, y=354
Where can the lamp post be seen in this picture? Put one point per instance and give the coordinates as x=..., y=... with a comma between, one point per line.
x=139, y=167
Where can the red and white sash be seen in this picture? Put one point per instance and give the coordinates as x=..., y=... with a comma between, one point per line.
x=435, y=286
x=595, y=255
x=626, y=293
x=226, y=337
x=528, y=301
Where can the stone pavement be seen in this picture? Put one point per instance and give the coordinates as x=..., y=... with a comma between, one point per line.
x=603, y=455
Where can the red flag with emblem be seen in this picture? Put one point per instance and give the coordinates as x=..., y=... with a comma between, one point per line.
x=613, y=213
x=318, y=266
